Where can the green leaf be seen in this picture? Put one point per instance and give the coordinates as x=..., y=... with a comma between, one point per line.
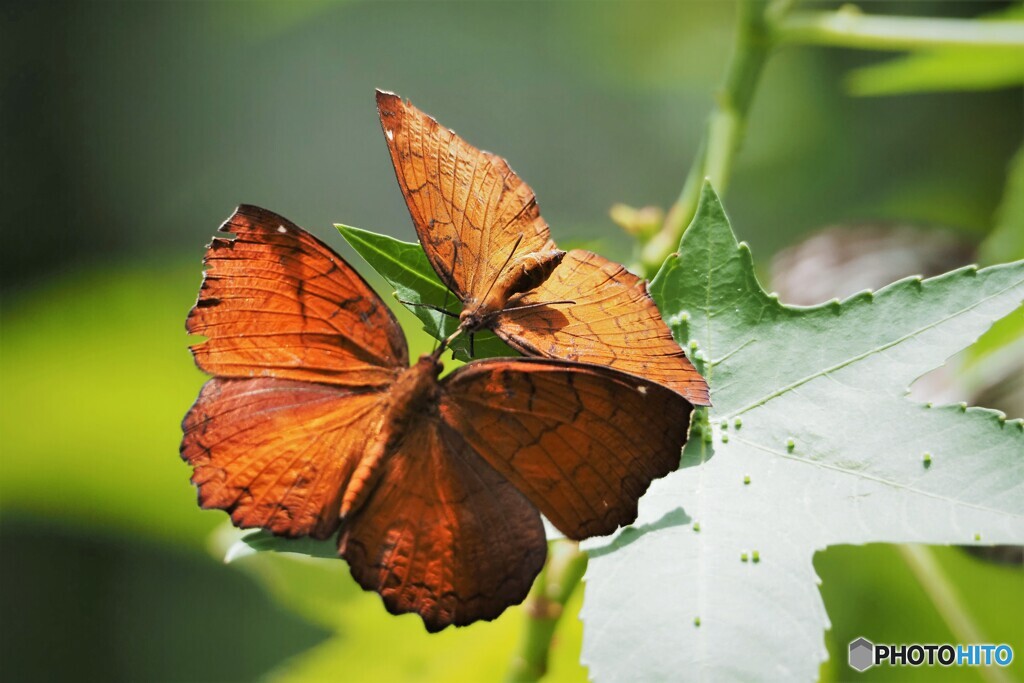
x=406, y=268
x=952, y=68
x=240, y=545
x=233, y=545
x=813, y=443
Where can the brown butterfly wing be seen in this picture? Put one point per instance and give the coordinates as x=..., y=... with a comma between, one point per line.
x=468, y=207
x=582, y=442
x=277, y=302
x=613, y=322
x=277, y=454
x=444, y=535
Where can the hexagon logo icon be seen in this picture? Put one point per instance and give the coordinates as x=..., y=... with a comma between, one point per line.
x=862, y=654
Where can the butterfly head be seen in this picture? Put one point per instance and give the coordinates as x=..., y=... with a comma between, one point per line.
x=429, y=364
x=475, y=318
x=414, y=392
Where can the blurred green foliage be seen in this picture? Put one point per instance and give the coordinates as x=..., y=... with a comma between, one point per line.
x=132, y=129
x=947, y=68
x=878, y=598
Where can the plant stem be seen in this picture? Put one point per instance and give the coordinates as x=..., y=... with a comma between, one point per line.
x=724, y=129
x=544, y=606
x=948, y=603
x=848, y=27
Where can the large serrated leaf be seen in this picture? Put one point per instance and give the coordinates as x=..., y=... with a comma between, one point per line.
x=813, y=443
x=406, y=268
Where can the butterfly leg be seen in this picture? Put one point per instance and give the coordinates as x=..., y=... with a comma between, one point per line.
x=430, y=306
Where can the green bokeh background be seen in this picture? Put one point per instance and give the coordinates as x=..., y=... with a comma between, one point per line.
x=132, y=129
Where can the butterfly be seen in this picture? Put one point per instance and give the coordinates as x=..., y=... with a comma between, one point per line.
x=484, y=236
x=314, y=424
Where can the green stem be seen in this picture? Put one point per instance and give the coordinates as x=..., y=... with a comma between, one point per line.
x=848, y=27
x=948, y=603
x=544, y=606
x=724, y=129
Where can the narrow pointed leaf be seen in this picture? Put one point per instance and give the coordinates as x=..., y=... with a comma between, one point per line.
x=406, y=268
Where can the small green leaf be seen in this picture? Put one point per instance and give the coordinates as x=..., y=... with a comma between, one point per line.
x=406, y=268
x=264, y=541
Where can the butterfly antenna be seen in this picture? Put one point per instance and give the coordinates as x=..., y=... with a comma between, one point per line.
x=527, y=307
x=501, y=270
x=444, y=305
x=422, y=304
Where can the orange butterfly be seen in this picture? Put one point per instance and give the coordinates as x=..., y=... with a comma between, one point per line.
x=482, y=232
x=314, y=424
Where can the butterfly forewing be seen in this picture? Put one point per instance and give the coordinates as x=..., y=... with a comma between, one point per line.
x=582, y=442
x=276, y=302
x=468, y=206
x=612, y=322
x=444, y=535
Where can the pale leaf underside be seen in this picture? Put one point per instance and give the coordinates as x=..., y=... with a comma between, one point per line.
x=828, y=451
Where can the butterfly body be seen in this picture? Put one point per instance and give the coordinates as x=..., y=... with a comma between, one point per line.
x=412, y=398
x=522, y=274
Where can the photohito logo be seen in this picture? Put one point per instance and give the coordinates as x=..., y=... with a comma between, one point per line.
x=864, y=654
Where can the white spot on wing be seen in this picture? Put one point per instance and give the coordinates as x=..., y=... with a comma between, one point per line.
x=642, y=389
x=390, y=134
x=281, y=229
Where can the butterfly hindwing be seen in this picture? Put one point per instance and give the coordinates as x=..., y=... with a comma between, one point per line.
x=582, y=442
x=613, y=322
x=444, y=535
x=277, y=454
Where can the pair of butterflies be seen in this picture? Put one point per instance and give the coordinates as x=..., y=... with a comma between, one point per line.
x=314, y=423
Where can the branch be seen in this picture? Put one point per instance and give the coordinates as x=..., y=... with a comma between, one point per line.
x=848, y=27
x=948, y=602
x=544, y=605
x=724, y=129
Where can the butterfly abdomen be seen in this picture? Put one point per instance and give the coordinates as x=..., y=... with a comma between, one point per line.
x=412, y=397
x=524, y=274
x=530, y=271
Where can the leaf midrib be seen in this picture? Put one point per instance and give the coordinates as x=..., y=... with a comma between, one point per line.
x=875, y=478
x=351, y=234
x=859, y=357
